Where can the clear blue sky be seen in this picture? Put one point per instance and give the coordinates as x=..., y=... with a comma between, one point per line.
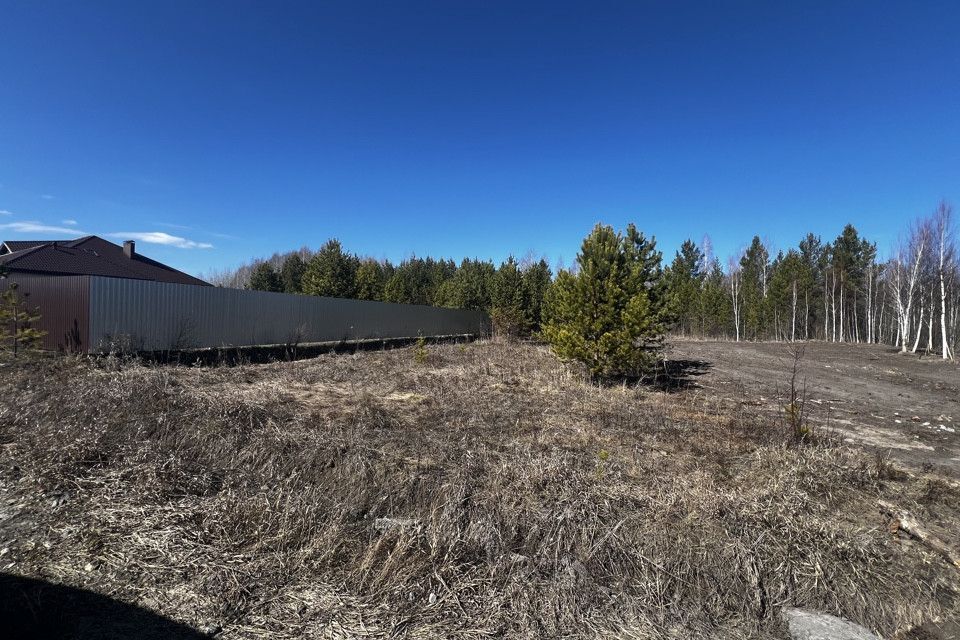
x=472, y=128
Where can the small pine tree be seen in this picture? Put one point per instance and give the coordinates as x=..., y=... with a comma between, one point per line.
x=420, y=353
x=610, y=315
x=18, y=332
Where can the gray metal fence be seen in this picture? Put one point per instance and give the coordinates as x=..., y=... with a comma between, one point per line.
x=145, y=315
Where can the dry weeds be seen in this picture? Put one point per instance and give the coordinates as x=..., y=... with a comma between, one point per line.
x=485, y=492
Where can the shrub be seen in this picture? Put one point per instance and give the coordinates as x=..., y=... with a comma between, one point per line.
x=420, y=353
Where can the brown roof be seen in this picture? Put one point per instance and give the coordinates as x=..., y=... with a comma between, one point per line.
x=89, y=256
x=18, y=245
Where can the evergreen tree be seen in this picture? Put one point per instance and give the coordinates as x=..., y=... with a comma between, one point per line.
x=331, y=272
x=469, y=287
x=847, y=266
x=646, y=265
x=291, y=273
x=784, y=294
x=419, y=280
x=398, y=288
x=604, y=315
x=509, y=307
x=371, y=279
x=715, y=308
x=536, y=281
x=18, y=332
x=755, y=269
x=265, y=278
x=684, y=280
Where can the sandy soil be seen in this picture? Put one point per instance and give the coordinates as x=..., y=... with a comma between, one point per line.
x=904, y=404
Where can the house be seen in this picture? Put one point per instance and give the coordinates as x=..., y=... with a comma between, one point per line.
x=87, y=256
x=54, y=277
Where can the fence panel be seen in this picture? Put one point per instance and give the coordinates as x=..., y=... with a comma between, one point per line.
x=144, y=315
x=62, y=303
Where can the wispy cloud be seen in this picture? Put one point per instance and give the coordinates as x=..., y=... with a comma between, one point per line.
x=39, y=227
x=182, y=227
x=47, y=196
x=69, y=222
x=4, y=212
x=170, y=225
x=159, y=237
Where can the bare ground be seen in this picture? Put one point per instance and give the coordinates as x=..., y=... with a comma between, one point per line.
x=908, y=405
x=489, y=492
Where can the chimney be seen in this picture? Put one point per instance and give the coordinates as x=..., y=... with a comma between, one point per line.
x=129, y=248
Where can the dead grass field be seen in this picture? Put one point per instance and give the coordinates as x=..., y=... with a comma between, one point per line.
x=489, y=492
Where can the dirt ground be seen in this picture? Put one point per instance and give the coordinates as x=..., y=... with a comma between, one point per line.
x=869, y=394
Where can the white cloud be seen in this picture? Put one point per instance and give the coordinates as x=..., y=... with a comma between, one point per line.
x=223, y=236
x=69, y=222
x=47, y=196
x=39, y=227
x=4, y=212
x=159, y=237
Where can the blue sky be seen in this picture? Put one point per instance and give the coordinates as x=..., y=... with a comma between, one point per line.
x=223, y=131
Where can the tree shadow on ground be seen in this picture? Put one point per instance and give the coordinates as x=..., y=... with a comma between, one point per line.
x=34, y=609
x=676, y=375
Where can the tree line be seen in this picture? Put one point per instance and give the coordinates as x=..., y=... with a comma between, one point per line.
x=837, y=289
x=512, y=293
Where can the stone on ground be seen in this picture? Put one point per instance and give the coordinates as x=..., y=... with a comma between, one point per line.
x=812, y=625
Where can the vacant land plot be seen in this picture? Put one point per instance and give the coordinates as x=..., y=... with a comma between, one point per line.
x=870, y=394
x=480, y=490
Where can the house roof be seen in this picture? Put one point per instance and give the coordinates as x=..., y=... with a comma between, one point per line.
x=89, y=256
x=18, y=245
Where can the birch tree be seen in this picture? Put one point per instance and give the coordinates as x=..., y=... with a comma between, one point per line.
x=942, y=224
x=905, y=273
x=734, y=276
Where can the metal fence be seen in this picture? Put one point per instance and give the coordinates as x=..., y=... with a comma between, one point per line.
x=144, y=315
x=61, y=301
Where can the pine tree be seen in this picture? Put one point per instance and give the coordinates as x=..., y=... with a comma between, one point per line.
x=331, y=272
x=536, y=281
x=684, y=281
x=18, y=332
x=609, y=315
x=646, y=264
x=265, y=278
x=419, y=281
x=715, y=308
x=291, y=273
x=755, y=269
x=508, y=310
x=371, y=278
x=469, y=287
x=785, y=289
x=851, y=256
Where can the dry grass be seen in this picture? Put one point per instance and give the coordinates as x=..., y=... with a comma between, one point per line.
x=487, y=492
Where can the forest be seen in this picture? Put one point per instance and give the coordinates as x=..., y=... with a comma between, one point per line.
x=840, y=290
